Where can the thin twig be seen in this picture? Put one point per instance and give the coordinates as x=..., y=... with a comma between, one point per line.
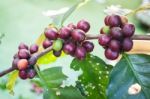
x=135, y=37
x=88, y=37
x=7, y=71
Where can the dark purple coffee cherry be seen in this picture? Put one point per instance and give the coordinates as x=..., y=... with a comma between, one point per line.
x=69, y=48
x=51, y=33
x=114, y=21
x=105, y=30
x=89, y=46
x=80, y=53
x=23, y=46
x=78, y=35
x=32, y=61
x=15, y=62
x=112, y=55
x=104, y=40
x=34, y=48
x=127, y=44
x=65, y=32
x=116, y=33
x=114, y=45
x=23, y=54
x=106, y=20
x=31, y=73
x=72, y=26
x=83, y=25
x=56, y=53
x=23, y=74
x=128, y=30
x=47, y=43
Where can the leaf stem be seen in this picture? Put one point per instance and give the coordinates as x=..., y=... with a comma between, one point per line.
x=40, y=76
x=72, y=9
x=142, y=8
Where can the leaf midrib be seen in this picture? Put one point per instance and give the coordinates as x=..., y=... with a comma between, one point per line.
x=134, y=72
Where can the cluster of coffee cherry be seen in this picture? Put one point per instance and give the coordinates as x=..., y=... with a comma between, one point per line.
x=70, y=39
x=116, y=36
x=24, y=62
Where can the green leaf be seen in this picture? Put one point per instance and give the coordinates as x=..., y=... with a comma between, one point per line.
x=63, y=93
x=3, y=84
x=131, y=69
x=95, y=76
x=49, y=94
x=47, y=58
x=11, y=82
x=53, y=77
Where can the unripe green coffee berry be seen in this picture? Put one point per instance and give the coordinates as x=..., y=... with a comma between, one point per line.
x=105, y=30
x=57, y=45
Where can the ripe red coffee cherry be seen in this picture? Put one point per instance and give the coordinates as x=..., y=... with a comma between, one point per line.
x=116, y=33
x=23, y=46
x=89, y=46
x=128, y=30
x=56, y=53
x=47, y=43
x=23, y=54
x=23, y=74
x=83, y=25
x=51, y=33
x=80, y=53
x=78, y=35
x=127, y=44
x=34, y=48
x=72, y=26
x=106, y=20
x=22, y=64
x=69, y=48
x=65, y=32
x=112, y=55
x=114, y=45
x=104, y=39
x=31, y=73
x=114, y=21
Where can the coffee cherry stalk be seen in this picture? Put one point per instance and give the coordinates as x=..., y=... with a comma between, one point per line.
x=115, y=37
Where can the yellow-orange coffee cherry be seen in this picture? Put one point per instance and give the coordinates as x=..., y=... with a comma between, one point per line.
x=22, y=64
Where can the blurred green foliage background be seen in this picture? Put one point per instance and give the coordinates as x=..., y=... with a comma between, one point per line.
x=22, y=21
